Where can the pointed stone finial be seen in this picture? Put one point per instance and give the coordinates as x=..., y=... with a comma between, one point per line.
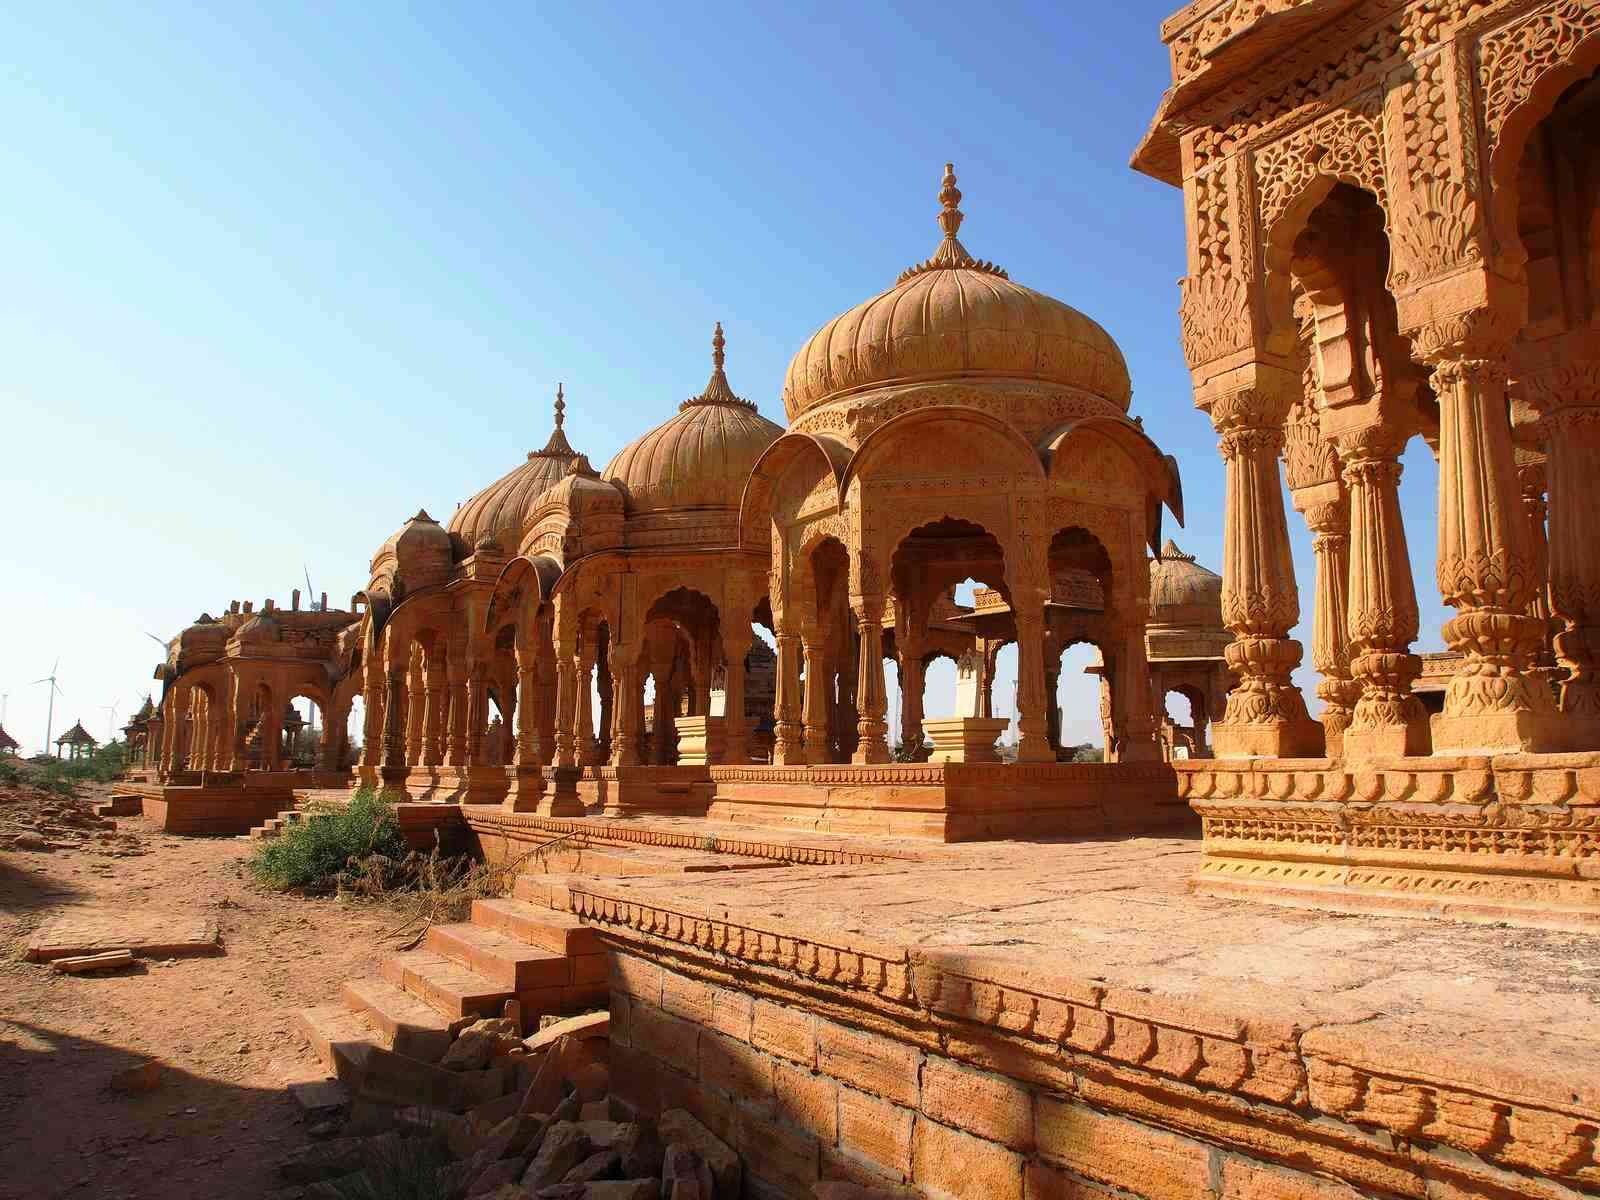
x=561, y=405
x=951, y=254
x=557, y=446
x=950, y=196
x=718, y=390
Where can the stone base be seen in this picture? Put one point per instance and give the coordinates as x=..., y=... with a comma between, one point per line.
x=953, y=802
x=211, y=809
x=699, y=740
x=456, y=785
x=1577, y=734
x=1302, y=739
x=560, y=798
x=1497, y=733
x=965, y=739
x=1128, y=1041
x=527, y=790
x=1510, y=838
x=1387, y=741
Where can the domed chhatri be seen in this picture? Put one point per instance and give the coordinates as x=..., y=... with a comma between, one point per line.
x=498, y=511
x=954, y=317
x=1182, y=592
x=699, y=459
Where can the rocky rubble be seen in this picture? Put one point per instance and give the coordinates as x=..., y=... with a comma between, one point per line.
x=36, y=819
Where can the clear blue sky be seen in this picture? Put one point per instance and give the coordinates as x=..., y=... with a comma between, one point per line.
x=278, y=277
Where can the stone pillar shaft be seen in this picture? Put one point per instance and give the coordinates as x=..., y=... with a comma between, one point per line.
x=1485, y=567
x=872, y=741
x=735, y=729
x=1266, y=714
x=815, y=710
x=1381, y=622
x=1573, y=423
x=913, y=683
x=788, y=733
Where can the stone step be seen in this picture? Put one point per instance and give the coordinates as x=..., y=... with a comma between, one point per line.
x=525, y=919
x=507, y=961
x=337, y=1036
x=449, y=987
x=406, y=1024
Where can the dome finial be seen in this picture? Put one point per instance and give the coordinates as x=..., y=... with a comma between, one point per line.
x=951, y=254
x=718, y=390
x=717, y=344
x=561, y=405
x=557, y=446
x=950, y=196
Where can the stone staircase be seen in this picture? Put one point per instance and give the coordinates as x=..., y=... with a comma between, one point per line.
x=515, y=948
x=273, y=827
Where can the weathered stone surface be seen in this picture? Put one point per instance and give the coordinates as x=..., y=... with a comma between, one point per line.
x=679, y=1127
x=564, y=1146
x=319, y=1095
x=146, y=1077
x=685, y=1175
x=641, y=1149
x=496, y=1175
x=150, y=932
x=624, y=1189
x=603, y=1164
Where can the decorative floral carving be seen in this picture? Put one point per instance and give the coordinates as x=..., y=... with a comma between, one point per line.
x=1513, y=58
x=1346, y=144
x=1435, y=229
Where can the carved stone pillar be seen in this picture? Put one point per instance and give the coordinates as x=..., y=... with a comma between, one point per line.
x=735, y=729
x=987, y=653
x=815, y=710
x=1033, y=725
x=1266, y=714
x=567, y=708
x=527, y=786
x=1569, y=398
x=372, y=718
x=434, y=713
x=477, y=714
x=788, y=747
x=416, y=704
x=455, y=746
x=872, y=741
x=583, y=715
x=1052, y=687
x=630, y=713
x=605, y=685
x=1388, y=720
x=1493, y=703
x=1329, y=519
x=393, y=762
x=236, y=703
x=913, y=682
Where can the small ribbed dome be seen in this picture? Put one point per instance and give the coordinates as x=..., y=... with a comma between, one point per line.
x=955, y=317
x=1182, y=592
x=499, y=510
x=702, y=457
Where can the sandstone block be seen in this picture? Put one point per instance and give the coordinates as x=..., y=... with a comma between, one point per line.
x=602, y=1164
x=948, y=1160
x=496, y=1175
x=679, y=1126
x=989, y=1106
x=869, y=1062
x=331, y=1159
x=788, y=1032
x=876, y=1130
x=685, y=1175
x=564, y=1146
x=1112, y=1150
x=671, y=1039
x=624, y=1189
x=734, y=1066
x=808, y=1100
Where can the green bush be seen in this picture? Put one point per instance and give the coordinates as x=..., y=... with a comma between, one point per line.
x=331, y=844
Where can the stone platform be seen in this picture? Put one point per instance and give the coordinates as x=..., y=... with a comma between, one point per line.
x=946, y=802
x=1509, y=838
x=211, y=808
x=1071, y=1020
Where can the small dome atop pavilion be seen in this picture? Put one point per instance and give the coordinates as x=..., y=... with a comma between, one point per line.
x=1182, y=592
x=954, y=317
x=496, y=514
x=702, y=457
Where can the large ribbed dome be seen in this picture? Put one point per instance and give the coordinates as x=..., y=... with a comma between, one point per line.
x=498, y=511
x=955, y=317
x=702, y=457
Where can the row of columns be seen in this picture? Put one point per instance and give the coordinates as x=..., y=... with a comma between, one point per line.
x=1493, y=568
x=204, y=731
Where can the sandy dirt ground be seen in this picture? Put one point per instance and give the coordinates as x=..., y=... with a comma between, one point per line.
x=219, y=1025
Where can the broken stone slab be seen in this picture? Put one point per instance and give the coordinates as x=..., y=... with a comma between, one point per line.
x=319, y=1096
x=602, y=1164
x=623, y=1189
x=587, y=1027
x=496, y=1175
x=331, y=1159
x=641, y=1150
x=564, y=1146
x=146, y=1077
x=82, y=964
x=685, y=1175
x=833, y=1189
x=85, y=931
x=591, y=1080
x=678, y=1125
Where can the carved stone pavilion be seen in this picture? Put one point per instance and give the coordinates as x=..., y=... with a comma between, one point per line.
x=1392, y=214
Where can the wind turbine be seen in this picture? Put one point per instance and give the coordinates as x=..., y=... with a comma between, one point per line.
x=111, y=720
x=50, y=713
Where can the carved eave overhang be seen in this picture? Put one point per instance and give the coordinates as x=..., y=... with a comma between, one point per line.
x=1161, y=470
x=1230, y=57
x=523, y=581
